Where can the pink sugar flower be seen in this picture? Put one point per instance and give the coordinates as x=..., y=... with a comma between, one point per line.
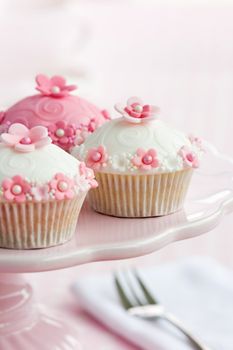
x=145, y=160
x=62, y=134
x=54, y=87
x=88, y=174
x=15, y=189
x=97, y=158
x=23, y=139
x=62, y=187
x=190, y=159
x=136, y=111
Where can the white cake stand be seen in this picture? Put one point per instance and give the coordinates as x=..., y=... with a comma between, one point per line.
x=23, y=325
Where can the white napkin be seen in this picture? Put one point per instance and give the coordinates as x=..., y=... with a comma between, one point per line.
x=197, y=290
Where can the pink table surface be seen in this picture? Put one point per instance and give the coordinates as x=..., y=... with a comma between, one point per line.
x=180, y=57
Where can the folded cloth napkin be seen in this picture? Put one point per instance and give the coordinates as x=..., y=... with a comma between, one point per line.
x=197, y=290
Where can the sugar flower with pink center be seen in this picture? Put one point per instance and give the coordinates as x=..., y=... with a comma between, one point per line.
x=145, y=160
x=136, y=111
x=88, y=174
x=23, y=139
x=190, y=159
x=62, y=186
x=97, y=158
x=54, y=87
x=62, y=134
x=15, y=189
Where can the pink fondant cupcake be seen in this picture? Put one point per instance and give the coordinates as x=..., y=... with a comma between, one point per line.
x=42, y=189
x=69, y=118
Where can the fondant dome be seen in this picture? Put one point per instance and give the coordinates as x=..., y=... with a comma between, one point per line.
x=139, y=142
x=69, y=118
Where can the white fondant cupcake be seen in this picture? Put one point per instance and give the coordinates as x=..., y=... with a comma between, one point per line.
x=142, y=165
x=42, y=189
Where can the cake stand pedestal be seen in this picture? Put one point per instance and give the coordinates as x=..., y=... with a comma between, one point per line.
x=25, y=325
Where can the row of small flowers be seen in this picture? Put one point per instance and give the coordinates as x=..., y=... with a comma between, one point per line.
x=63, y=134
x=98, y=157
x=19, y=189
x=67, y=135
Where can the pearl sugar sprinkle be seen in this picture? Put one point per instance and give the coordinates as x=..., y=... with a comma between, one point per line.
x=62, y=186
x=55, y=89
x=16, y=189
x=138, y=108
x=60, y=132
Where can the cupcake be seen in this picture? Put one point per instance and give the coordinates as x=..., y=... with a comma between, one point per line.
x=42, y=189
x=69, y=118
x=142, y=165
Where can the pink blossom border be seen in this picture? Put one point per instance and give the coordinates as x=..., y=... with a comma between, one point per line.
x=19, y=190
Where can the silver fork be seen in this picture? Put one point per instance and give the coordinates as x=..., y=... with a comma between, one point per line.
x=142, y=304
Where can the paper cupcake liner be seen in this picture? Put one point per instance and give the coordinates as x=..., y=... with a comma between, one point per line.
x=38, y=224
x=140, y=195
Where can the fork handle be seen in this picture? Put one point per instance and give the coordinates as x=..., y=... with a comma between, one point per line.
x=173, y=320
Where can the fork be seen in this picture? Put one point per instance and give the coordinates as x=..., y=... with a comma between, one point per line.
x=143, y=304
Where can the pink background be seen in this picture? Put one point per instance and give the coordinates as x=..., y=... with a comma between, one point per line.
x=178, y=56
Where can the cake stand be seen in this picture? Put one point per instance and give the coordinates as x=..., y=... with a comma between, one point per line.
x=25, y=326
